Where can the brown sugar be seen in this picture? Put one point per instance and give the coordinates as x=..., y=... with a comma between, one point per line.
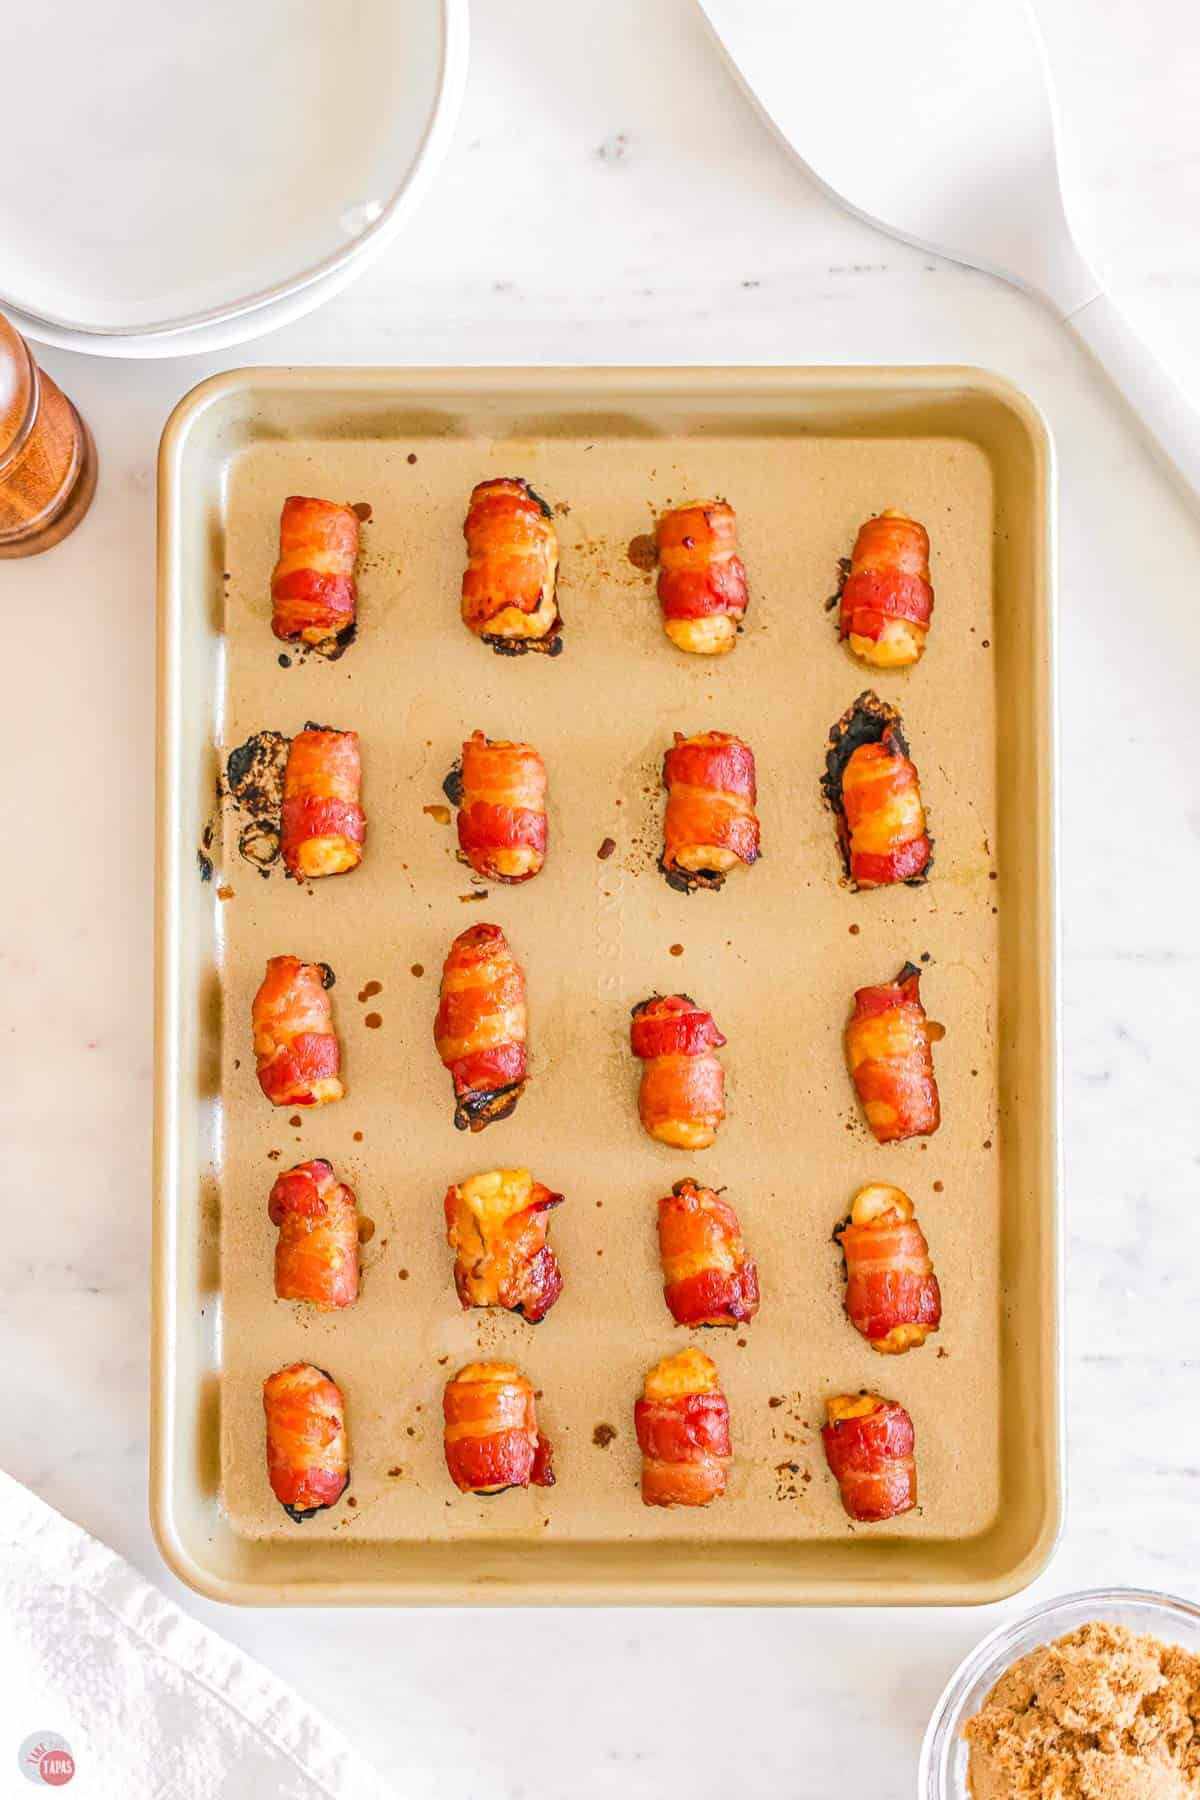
x=1101, y=1714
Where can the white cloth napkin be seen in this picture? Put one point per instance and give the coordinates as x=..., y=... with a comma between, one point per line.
x=151, y=1705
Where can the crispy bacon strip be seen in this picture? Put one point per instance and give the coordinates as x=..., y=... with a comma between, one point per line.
x=496, y=1225
x=295, y=1045
x=491, y=1436
x=709, y=825
x=869, y=1448
x=892, y=1293
x=875, y=795
x=508, y=590
x=681, y=1099
x=887, y=600
x=308, y=1459
x=890, y=1058
x=316, y=1252
x=313, y=593
x=702, y=580
x=708, y=1279
x=480, y=1029
x=500, y=791
x=323, y=823
x=682, y=1424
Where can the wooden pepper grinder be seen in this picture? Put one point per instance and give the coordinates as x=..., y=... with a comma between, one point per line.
x=47, y=457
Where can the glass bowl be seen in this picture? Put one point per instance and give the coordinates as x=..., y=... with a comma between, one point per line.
x=944, y=1755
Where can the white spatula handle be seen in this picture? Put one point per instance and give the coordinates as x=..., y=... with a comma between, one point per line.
x=1172, y=422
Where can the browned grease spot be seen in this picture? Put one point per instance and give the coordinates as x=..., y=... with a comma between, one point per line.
x=373, y=1021
x=606, y=849
x=643, y=551
x=410, y=1431
x=362, y=510
x=358, y=1137
x=939, y=1187
x=775, y=1400
x=854, y=930
x=395, y=1470
x=274, y=1155
x=372, y=988
x=741, y=1343
x=439, y=813
x=942, y=1351
x=403, y=1274
x=224, y=893
x=295, y=1119
x=987, y=1143
x=603, y=1436
x=351, y=1501
x=366, y=1230
x=934, y=1032
x=992, y=875
x=479, y=894
x=676, y=949
x=418, y=969
x=412, y=456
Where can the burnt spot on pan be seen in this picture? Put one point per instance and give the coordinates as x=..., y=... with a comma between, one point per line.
x=867, y=720
x=204, y=859
x=642, y=552
x=254, y=784
x=452, y=786
x=835, y=599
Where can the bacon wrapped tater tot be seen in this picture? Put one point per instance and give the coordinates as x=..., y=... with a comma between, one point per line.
x=491, y=1437
x=508, y=590
x=873, y=791
x=480, y=1028
x=323, y=823
x=682, y=1425
x=869, y=1448
x=316, y=1252
x=496, y=1226
x=313, y=594
x=499, y=789
x=295, y=1045
x=890, y=1057
x=709, y=825
x=887, y=600
x=892, y=1293
x=308, y=1459
x=701, y=580
x=681, y=1099
x=708, y=1279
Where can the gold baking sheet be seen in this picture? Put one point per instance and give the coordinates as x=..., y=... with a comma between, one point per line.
x=804, y=457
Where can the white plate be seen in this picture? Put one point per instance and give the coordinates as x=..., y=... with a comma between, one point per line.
x=205, y=173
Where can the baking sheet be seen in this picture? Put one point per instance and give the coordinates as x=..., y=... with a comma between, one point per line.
x=775, y=955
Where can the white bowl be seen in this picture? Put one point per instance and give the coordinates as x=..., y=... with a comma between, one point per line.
x=201, y=174
x=944, y=1755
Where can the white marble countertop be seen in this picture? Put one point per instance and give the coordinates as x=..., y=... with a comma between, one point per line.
x=612, y=198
